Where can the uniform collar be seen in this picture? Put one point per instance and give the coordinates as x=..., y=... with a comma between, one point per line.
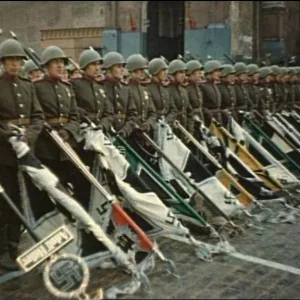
x=175, y=83
x=89, y=78
x=134, y=81
x=9, y=76
x=112, y=79
x=52, y=79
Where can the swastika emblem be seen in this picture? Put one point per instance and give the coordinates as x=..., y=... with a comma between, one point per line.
x=66, y=276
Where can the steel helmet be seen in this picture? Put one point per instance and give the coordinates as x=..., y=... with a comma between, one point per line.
x=136, y=61
x=212, y=66
x=252, y=69
x=11, y=48
x=264, y=72
x=53, y=52
x=275, y=70
x=87, y=57
x=112, y=58
x=227, y=69
x=192, y=66
x=240, y=68
x=30, y=66
x=176, y=65
x=156, y=65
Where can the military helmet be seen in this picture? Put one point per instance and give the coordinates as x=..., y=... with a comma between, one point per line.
x=264, y=72
x=11, y=48
x=87, y=57
x=136, y=61
x=227, y=69
x=192, y=66
x=252, y=69
x=52, y=52
x=292, y=71
x=112, y=58
x=275, y=70
x=176, y=65
x=298, y=70
x=70, y=68
x=211, y=66
x=240, y=68
x=30, y=66
x=283, y=70
x=156, y=65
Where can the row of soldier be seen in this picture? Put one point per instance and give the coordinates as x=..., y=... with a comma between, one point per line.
x=130, y=106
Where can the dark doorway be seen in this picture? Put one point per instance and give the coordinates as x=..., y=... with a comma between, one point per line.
x=165, y=34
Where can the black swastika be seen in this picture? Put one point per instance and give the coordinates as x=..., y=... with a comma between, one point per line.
x=66, y=276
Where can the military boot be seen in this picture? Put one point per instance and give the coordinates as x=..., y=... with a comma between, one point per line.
x=6, y=261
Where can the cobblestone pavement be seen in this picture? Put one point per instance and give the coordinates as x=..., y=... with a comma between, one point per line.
x=225, y=278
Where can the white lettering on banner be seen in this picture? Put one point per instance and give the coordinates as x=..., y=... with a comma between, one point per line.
x=45, y=248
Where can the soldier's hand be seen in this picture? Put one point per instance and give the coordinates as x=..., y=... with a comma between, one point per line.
x=122, y=133
x=64, y=134
x=143, y=128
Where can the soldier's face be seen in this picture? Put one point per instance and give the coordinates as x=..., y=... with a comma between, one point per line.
x=75, y=74
x=93, y=69
x=162, y=75
x=36, y=74
x=117, y=71
x=179, y=76
x=278, y=78
x=12, y=65
x=56, y=68
x=268, y=78
x=243, y=77
x=229, y=78
x=138, y=74
x=215, y=75
x=197, y=75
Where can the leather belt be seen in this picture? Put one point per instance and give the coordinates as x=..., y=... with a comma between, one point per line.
x=121, y=116
x=17, y=122
x=94, y=116
x=57, y=120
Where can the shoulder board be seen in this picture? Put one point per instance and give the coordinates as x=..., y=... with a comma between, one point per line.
x=123, y=82
x=65, y=81
x=24, y=78
x=100, y=79
x=38, y=80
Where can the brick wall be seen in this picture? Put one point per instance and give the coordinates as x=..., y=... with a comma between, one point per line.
x=27, y=18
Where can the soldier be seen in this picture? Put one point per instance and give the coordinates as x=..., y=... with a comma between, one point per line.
x=73, y=73
x=243, y=101
x=91, y=102
x=89, y=93
x=276, y=89
x=180, y=97
x=118, y=95
x=20, y=107
x=228, y=99
x=265, y=91
x=251, y=85
x=58, y=102
x=211, y=93
x=194, y=72
x=164, y=104
x=291, y=87
x=297, y=83
x=284, y=88
x=146, y=120
x=32, y=71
